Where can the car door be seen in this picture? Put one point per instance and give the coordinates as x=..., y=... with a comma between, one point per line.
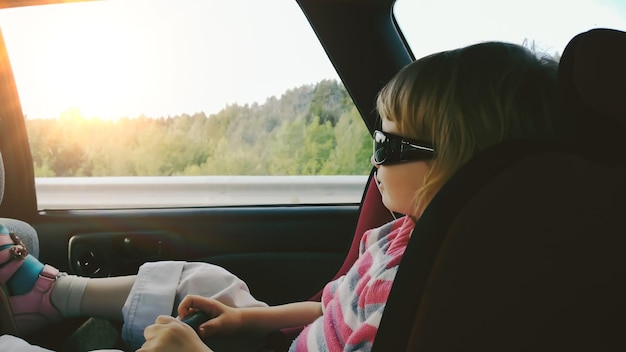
x=284, y=249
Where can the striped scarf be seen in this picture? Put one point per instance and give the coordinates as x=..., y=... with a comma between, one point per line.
x=353, y=304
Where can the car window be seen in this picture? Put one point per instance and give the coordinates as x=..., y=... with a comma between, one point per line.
x=183, y=103
x=545, y=26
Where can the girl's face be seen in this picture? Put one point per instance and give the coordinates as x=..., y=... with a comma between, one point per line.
x=399, y=183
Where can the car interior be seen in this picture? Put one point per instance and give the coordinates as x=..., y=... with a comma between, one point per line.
x=522, y=250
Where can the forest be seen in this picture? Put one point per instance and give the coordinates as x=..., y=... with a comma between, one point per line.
x=309, y=130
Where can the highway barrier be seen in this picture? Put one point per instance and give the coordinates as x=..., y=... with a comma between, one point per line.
x=195, y=191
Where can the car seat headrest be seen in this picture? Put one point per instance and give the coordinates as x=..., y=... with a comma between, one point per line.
x=599, y=71
x=592, y=72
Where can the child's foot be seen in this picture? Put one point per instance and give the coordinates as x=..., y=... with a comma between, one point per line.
x=28, y=284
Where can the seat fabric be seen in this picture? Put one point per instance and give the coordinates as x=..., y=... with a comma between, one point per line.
x=591, y=77
x=534, y=261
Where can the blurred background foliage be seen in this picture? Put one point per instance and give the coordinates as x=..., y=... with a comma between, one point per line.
x=309, y=130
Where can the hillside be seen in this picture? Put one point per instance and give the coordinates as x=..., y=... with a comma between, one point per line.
x=308, y=130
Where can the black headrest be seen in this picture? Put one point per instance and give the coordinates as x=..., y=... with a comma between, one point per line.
x=592, y=78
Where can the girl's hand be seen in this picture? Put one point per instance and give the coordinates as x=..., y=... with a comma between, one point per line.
x=169, y=334
x=224, y=319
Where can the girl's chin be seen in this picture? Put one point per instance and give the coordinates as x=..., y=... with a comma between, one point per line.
x=387, y=204
x=391, y=208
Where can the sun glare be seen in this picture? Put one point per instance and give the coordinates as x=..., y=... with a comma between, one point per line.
x=158, y=58
x=83, y=57
x=105, y=67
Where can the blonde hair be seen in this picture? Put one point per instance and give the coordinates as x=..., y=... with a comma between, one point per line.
x=468, y=99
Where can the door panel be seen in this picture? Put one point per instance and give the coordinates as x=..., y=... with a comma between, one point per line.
x=283, y=253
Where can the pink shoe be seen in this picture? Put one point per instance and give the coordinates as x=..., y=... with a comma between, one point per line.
x=33, y=310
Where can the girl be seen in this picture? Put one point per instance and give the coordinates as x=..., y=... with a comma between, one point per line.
x=436, y=114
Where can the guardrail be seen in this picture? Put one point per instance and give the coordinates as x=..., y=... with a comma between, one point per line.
x=195, y=191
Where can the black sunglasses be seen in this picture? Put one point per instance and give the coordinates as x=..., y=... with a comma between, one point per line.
x=391, y=149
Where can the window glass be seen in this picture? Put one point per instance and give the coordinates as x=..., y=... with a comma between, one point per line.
x=183, y=103
x=546, y=26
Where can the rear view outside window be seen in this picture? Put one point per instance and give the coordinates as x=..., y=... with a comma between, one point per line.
x=183, y=103
x=544, y=26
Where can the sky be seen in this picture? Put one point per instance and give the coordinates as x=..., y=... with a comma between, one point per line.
x=111, y=59
x=550, y=23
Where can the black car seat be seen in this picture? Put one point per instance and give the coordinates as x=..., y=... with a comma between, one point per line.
x=524, y=248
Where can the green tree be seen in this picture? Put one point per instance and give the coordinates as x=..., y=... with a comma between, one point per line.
x=353, y=147
x=308, y=130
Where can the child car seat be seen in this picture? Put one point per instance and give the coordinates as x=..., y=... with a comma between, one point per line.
x=23, y=230
x=28, y=235
x=523, y=249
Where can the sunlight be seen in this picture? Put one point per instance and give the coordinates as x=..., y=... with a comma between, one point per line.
x=84, y=58
x=71, y=114
x=158, y=58
x=90, y=79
